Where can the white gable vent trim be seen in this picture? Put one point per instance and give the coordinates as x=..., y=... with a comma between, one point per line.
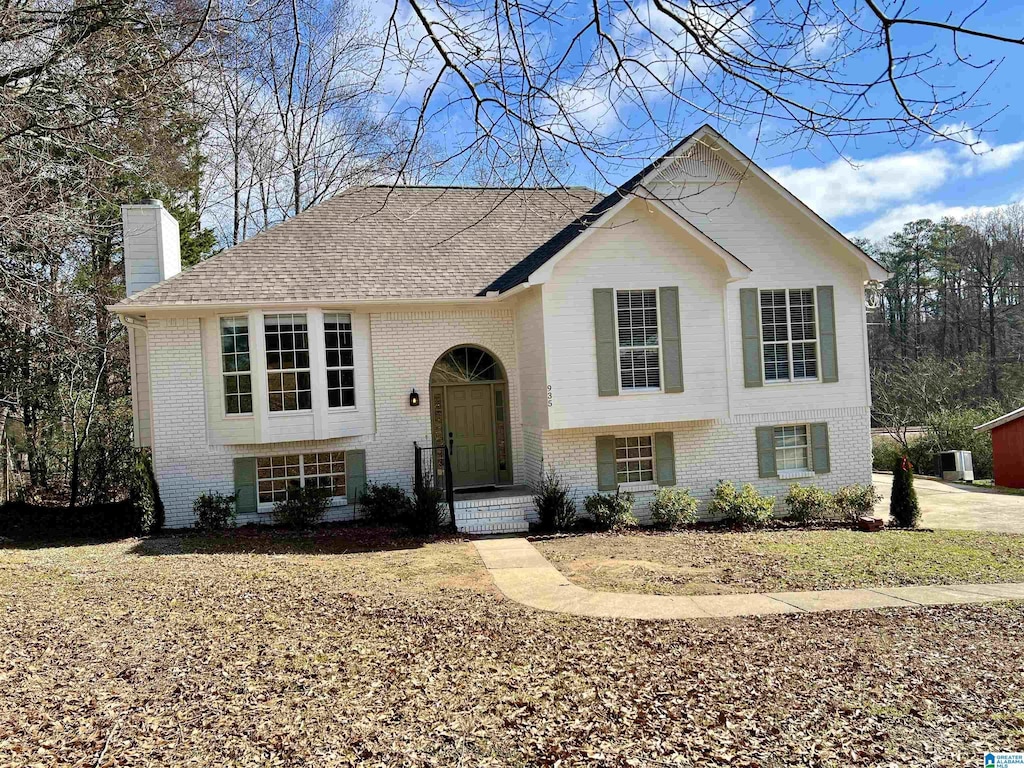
x=701, y=162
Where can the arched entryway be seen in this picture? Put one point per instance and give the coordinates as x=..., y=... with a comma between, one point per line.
x=469, y=412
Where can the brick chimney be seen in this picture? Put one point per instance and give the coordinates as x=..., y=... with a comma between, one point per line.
x=151, y=249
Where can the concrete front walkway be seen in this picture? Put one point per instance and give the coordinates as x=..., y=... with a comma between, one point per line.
x=964, y=507
x=523, y=574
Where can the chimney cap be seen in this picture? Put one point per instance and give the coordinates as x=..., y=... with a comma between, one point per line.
x=151, y=201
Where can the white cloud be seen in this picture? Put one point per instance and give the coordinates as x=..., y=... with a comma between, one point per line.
x=904, y=179
x=843, y=189
x=977, y=155
x=984, y=158
x=894, y=220
x=821, y=39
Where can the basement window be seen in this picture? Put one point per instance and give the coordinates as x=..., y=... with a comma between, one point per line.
x=634, y=459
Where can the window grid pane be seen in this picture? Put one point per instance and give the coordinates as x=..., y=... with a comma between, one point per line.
x=637, y=326
x=789, y=334
x=341, y=383
x=277, y=475
x=288, y=379
x=634, y=459
x=325, y=470
x=791, y=447
x=235, y=364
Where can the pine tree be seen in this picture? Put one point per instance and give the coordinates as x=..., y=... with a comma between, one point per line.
x=904, y=511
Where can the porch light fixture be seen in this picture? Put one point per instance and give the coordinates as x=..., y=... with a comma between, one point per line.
x=414, y=398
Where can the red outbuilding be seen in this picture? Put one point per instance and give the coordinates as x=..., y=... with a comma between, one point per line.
x=1007, y=448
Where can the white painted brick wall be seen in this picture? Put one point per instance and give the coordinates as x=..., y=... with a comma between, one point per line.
x=405, y=346
x=707, y=452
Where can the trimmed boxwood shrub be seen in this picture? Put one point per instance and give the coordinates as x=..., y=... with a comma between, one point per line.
x=809, y=502
x=385, y=504
x=673, y=508
x=745, y=509
x=214, y=511
x=855, y=500
x=611, y=512
x=304, y=508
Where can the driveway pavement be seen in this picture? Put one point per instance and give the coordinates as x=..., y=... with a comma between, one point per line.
x=947, y=505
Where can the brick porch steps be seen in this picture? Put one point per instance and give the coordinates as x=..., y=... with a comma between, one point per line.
x=501, y=511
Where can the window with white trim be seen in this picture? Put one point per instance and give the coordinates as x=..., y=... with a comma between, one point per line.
x=341, y=375
x=792, y=447
x=636, y=319
x=288, y=380
x=235, y=364
x=789, y=334
x=277, y=475
x=634, y=459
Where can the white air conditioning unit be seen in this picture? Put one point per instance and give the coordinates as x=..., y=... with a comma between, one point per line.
x=957, y=465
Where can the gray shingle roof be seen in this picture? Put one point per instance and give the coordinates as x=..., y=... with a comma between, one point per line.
x=383, y=243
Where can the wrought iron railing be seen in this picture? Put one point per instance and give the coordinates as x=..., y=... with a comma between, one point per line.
x=434, y=470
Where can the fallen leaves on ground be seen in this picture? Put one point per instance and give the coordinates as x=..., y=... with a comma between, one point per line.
x=296, y=655
x=725, y=562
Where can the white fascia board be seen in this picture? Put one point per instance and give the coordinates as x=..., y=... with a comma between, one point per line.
x=186, y=308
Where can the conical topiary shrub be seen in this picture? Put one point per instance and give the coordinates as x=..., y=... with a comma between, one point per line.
x=903, y=508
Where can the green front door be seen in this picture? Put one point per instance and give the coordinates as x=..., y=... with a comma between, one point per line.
x=471, y=424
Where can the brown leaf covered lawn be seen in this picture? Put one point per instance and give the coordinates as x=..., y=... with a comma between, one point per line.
x=357, y=649
x=719, y=562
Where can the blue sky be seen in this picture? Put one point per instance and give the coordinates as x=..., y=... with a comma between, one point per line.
x=869, y=186
x=880, y=182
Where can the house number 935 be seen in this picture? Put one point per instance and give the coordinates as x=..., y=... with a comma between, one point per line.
x=550, y=397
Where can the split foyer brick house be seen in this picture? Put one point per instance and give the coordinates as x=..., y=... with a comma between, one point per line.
x=699, y=323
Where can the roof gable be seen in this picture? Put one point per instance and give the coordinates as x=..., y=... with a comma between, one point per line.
x=707, y=157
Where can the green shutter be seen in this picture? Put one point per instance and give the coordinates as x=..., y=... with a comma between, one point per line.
x=245, y=486
x=606, y=463
x=820, y=459
x=604, y=336
x=665, y=455
x=827, y=334
x=671, y=339
x=766, y=452
x=750, y=326
x=355, y=475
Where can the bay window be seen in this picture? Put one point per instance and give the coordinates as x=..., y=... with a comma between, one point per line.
x=288, y=376
x=341, y=384
x=235, y=365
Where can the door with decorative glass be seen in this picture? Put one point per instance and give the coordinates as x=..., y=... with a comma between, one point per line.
x=469, y=414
